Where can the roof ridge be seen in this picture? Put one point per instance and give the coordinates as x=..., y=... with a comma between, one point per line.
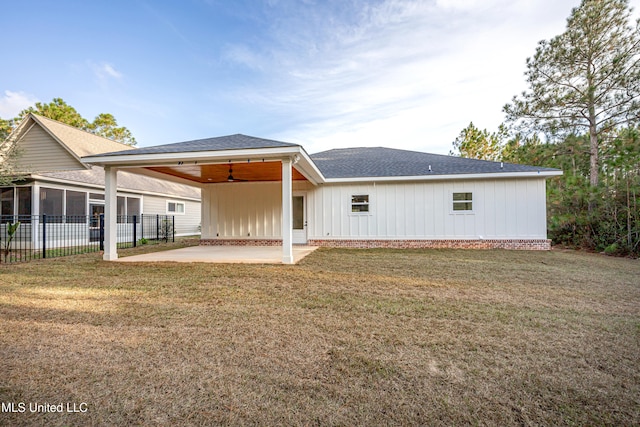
x=235, y=141
x=379, y=162
x=39, y=117
x=448, y=156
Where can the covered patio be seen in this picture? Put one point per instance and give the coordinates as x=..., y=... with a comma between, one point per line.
x=247, y=186
x=223, y=255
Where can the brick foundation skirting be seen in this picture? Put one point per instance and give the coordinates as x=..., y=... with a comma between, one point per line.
x=518, y=244
x=527, y=245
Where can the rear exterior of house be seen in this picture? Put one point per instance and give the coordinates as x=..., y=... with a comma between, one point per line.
x=57, y=184
x=474, y=213
x=264, y=192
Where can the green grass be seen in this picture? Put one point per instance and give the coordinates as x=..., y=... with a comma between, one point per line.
x=346, y=337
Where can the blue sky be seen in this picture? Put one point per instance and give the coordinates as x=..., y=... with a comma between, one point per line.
x=325, y=74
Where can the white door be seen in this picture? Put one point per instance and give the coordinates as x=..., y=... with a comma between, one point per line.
x=299, y=219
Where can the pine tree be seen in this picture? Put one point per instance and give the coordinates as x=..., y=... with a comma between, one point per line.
x=585, y=80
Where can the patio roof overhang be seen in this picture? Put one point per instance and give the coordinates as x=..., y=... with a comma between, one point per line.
x=205, y=167
x=200, y=167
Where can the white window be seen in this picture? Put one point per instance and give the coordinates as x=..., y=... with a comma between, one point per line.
x=360, y=203
x=462, y=202
x=176, y=208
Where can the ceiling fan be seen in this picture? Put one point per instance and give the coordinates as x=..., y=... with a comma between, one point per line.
x=230, y=178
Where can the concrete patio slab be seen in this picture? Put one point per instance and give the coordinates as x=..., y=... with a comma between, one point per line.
x=223, y=254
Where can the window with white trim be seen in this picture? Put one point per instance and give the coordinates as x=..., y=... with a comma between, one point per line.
x=360, y=203
x=176, y=208
x=462, y=202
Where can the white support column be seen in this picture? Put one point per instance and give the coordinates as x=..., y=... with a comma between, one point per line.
x=287, y=212
x=110, y=214
x=35, y=211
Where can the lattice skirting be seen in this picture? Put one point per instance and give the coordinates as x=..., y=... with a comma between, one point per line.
x=513, y=244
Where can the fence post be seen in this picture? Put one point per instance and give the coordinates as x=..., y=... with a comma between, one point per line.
x=102, y=232
x=44, y=235
x=157, y=227
x=142, y=226
x=135, y=226
x=173, y=228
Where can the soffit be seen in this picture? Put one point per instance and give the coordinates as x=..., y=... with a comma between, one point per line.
x=216, y=173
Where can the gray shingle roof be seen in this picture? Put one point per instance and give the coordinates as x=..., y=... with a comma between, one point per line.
x=389, y=162
x=229, y=142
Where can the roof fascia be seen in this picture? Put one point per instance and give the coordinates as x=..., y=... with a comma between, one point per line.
x=309, y=169
x=304, y=165
x=201, y=157
x=503, y=175
x=68, y=182
x=15, y=134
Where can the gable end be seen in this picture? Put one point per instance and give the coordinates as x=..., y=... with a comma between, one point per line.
x=40, y=152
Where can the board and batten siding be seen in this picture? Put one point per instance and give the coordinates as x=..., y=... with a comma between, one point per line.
x=185, y=225
x=40, y=152
x=244, y=210
x=502, y=209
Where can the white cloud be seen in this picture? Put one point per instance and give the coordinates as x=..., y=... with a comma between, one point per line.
x=13, y=102
x=104, y=71
x=402, y=73
x=110, y=71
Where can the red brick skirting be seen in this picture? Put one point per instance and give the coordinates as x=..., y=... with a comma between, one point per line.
x=518, y=244
x=521, y=244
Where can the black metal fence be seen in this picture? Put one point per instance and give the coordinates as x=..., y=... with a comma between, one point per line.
x=27, y=237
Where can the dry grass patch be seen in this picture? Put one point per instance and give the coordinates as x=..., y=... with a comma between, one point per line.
x=365, y=337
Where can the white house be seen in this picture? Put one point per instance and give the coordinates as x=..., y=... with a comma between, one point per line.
x=263, y=192
x=57, y=182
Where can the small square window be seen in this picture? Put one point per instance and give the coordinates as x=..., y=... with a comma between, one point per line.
x=175, y=208
x=360, y=203
x=463, y=202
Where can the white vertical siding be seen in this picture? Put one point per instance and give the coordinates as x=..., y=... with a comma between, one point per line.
x=251, y=210
x=505, y=208
x=242, y=210
x=508, y=208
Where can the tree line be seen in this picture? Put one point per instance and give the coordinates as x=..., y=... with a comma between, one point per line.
x=581, y=114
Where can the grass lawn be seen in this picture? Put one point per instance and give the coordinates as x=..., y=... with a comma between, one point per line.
x=346, y=337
